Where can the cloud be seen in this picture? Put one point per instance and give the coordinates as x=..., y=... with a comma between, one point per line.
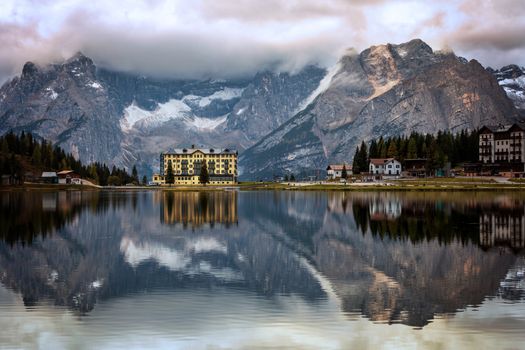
x=492, y=31
x=215, y=39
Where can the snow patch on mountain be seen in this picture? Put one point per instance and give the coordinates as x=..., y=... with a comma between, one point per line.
x=519, y=81
x=52, y=94
x=225, y=94
x=133, y=114
x=95, y=85
x=515, y=90
x=324, y=84
x=205, y=123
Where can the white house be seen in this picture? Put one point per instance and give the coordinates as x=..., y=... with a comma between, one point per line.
x=335, y=171
x=385, y=166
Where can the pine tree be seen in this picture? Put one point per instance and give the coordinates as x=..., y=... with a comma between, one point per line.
x=170, y=178
x=392, y=150
x=373, y=152
x=344, y=174
x=135, y=175
x=363, y=157
x=204, y=177
x=292, y=177
x=355, y=162
x=412, y=148
x=36, y=158
x=144, y=180
x=4, y=148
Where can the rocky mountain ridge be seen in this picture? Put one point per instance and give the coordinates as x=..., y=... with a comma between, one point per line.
x=280, y=122
x=126, y=120
x=386, y=90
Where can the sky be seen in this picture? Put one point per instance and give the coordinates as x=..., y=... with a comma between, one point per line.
x=224, y=39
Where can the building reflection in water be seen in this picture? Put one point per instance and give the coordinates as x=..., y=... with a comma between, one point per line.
x=198, y=208
x=502, y=229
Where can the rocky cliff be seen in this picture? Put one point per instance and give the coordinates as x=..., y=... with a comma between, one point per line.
x=385, y=90
x=124, y=119
x=512, y=79
x=280, y=122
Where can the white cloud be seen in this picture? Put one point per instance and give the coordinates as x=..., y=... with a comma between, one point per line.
x=208, y=38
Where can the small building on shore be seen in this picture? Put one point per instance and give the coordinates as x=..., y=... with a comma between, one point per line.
x=385, y=166
x=49, y=177
x=335, y=171
x=69, y=177
x=415, y=167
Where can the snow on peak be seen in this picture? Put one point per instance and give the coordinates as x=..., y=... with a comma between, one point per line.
x=205, y=123
x=95, y=85
x=52, y=94
x=324, y=84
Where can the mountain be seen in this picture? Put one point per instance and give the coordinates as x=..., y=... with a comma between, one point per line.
x=512, y=79
x=280, y=122
x=126, y=120
x=385, y=90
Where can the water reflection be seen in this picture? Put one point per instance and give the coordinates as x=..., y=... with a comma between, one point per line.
x=198, y=208
x=392, y=257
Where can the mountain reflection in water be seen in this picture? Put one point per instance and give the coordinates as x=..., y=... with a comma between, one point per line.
x=391, y=257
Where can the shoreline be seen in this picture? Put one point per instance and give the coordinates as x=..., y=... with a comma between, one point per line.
x=398, y=185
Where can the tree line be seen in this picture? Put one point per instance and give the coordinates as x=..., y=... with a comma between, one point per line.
x=438, y=150
x=20, y=153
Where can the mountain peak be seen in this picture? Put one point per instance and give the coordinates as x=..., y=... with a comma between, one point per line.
x=79, y=57
x=29, y=69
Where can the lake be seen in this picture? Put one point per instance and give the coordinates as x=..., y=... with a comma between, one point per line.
x=262, y=269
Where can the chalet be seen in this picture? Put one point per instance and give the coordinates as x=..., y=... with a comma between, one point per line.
x=415, y=167
x=68, y=177
x=50, y=177
x=335, y=171
x=385, y=166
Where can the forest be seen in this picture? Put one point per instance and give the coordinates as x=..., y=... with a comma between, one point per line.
x=438, y=150
x=23, y=153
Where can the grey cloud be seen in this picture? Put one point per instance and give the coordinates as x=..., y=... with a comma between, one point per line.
x=492, y=33
x=225, y=38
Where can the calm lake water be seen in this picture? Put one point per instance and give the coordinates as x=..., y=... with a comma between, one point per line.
x=312, y=270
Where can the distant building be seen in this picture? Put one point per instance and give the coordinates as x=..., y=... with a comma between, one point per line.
x=335, y=171
x=68, y=177
x=385, y=166
x=50, y=177
x=187, y=163
x=502, y=149
x=502, y=229
x=415, y=167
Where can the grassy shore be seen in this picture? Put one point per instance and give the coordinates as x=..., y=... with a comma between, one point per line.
x=429, y=184
x=48, y=187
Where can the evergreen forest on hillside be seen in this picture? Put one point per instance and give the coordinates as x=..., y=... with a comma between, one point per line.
x=438, y=150
x=23, y=153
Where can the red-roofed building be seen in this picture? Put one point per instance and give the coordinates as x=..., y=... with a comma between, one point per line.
x=335, y=171
x=385, y=166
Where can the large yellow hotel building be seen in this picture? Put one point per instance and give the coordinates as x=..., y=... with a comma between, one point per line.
x=187, y=163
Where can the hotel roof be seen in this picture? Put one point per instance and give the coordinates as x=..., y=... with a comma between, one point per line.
x=202, y=150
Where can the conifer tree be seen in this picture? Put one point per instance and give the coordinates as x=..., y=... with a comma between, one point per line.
x=170, y=177
x=135, y=175
x=204, y=177
x=344, y=173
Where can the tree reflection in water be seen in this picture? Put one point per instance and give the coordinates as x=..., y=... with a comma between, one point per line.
x=393, y=257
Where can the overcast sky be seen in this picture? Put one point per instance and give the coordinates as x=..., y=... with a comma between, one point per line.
x=211, y=38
